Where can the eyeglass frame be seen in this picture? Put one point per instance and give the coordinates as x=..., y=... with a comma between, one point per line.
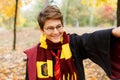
x=51, y=29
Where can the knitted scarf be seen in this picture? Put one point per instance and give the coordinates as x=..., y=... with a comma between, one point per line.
x=45, y=61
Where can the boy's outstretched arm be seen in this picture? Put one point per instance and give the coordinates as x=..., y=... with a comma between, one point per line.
x=116, y=32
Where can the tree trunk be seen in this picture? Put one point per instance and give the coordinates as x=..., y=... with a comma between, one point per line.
x=118, y=13
x=14, y=31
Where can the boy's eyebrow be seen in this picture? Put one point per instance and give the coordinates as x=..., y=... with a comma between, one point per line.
x=48, y=26
x=59, y=24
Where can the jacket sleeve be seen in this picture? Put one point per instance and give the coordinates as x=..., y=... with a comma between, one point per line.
x=96, y=47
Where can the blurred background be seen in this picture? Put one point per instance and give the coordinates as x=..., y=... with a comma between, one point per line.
x=77, y=13
x=19, y=30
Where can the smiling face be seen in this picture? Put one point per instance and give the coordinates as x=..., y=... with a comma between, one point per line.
x=53, y=29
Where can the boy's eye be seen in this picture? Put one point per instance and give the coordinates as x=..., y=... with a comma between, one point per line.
x=58, y=27
x=50, y=28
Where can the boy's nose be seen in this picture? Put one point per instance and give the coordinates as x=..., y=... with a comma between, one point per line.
x=55, y=30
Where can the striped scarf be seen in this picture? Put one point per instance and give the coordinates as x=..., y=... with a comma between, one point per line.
x=45, y=61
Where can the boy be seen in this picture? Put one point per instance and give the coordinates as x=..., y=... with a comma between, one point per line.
x=59, y=56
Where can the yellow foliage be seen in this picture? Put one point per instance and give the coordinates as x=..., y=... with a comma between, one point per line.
x=7, y=11
x=99, y=3
x=84, y=2
x=7, y=8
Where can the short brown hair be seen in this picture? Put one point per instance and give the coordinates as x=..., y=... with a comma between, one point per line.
x=49, y=12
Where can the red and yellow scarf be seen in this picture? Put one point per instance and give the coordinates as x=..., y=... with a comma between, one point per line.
x=45, y=62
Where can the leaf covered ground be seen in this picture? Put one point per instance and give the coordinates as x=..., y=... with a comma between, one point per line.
x=12, y=62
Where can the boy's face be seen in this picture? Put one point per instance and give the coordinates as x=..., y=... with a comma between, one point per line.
x=53, y=29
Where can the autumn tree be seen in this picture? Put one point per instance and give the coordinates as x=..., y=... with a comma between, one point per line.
x=14, y=31
x=82, y=12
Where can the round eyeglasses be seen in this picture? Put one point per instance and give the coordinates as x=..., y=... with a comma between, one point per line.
x=51, y=29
